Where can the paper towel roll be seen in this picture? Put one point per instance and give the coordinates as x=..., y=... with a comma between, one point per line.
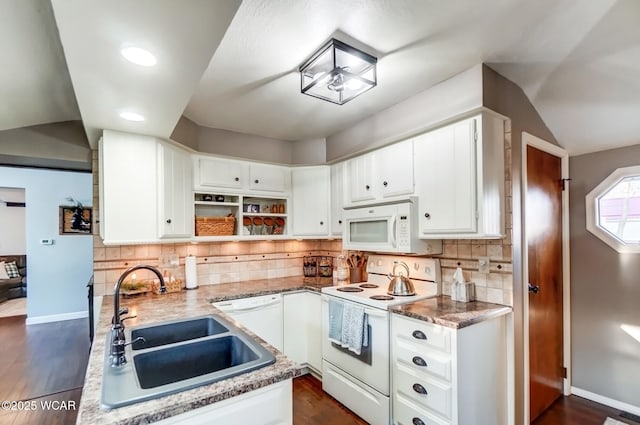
x=190, y=272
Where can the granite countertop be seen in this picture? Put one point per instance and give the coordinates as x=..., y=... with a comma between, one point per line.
x=452, y=314
x=186, y=303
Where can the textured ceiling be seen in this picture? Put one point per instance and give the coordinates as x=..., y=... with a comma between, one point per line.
x=578, y=62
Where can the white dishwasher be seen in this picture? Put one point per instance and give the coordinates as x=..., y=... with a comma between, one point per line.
x=261, y=315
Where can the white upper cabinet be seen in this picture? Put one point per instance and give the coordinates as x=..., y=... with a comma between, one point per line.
x=361, y=185
x=460, y=179
x=175, y=201
x=128, y=173
x=381, y=174
x=221, y=173
x=236, y=176
x=269, y=178
x=311, y=198
x=395, y=165
x=337, y=198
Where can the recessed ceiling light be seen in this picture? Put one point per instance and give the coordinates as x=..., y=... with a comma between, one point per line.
x=131, y=116
x=138, y=56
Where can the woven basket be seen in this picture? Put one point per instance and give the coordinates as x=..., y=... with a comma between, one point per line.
x=171, y=286
x=215, y=226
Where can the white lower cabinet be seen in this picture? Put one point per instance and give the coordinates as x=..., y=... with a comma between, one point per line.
x=303, y=329
x=271, y=405
x=444, y=376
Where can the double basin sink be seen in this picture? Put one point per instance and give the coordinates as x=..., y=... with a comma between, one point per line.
x=179, y=355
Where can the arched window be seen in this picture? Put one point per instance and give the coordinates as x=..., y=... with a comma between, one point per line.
x=613, y=210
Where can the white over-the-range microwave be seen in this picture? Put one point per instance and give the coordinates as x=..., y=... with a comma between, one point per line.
x=386, y=228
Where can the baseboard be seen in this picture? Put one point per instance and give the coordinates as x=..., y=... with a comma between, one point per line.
x=606, y=401
x=57, y=317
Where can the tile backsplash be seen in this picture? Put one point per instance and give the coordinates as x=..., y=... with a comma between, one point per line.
x=217, y=262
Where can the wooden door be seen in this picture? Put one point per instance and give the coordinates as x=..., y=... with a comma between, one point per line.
x=544, y=241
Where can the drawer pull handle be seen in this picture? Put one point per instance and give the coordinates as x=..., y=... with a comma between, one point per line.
x=417, y=421
x=419, y=389
x=419, y=335
x=419, y=361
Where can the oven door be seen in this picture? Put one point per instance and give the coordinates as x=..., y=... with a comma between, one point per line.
x=372, y=365
x=370, y=229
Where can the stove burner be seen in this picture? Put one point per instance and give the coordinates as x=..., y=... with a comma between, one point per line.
x=381, y=297
x=368, y=285
x=350, y=289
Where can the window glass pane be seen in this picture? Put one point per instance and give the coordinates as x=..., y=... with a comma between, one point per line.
x=619, y=210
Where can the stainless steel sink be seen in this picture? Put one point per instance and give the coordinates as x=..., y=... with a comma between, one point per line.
x=180, y=355
x=175, y=331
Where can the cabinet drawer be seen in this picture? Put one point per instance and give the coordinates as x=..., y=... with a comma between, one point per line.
x=407, y=413
x=422, y=333
x=426, y=361
x=427, y=393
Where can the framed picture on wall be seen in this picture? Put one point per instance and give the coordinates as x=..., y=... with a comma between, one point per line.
x=75, y=220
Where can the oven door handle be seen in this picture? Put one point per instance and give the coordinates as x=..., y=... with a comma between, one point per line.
x=369, y=311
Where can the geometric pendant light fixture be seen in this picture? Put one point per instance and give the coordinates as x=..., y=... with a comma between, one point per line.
x=337, y=73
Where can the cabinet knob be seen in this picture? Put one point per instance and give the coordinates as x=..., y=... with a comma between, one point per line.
x=385, y=184
x=427, y=215
x=168, y=221
x=419, y=361
x=339, y=221
x=417, y=421
x=237, y=179
x=420, y=389
x=419, y=335
x=322, y=223
x=367, y=187
x=256, y=181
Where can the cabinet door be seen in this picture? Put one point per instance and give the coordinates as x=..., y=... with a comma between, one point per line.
x=446, y=179
x=269, y=178
x=395, y=169
x=310, y=201
x=273, y=402
x=314, y=331
x=128, y=188
x=174, y=192
x=361, y=185
x=295, y=314
x=303, y=328
x=221, y=173
x=337, y=198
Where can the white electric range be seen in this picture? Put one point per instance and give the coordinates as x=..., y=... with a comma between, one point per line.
x=361, y=382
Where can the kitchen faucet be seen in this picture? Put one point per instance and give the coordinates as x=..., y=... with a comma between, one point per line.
x=118, y=339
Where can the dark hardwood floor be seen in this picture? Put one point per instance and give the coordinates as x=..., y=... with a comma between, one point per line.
x=574, y=410
x=312, y=406
x=42, y=369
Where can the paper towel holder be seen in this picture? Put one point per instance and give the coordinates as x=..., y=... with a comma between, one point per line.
x=190, y=272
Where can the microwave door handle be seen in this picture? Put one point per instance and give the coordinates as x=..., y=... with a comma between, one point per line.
x=394, y=219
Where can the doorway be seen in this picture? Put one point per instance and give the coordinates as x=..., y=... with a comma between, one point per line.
x=546, y=274
x=13, y=280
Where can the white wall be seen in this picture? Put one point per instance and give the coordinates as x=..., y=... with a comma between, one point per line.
x=57, y=273
x=12, y=223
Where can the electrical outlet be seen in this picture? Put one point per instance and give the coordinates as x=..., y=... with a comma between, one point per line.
x=484, y=265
